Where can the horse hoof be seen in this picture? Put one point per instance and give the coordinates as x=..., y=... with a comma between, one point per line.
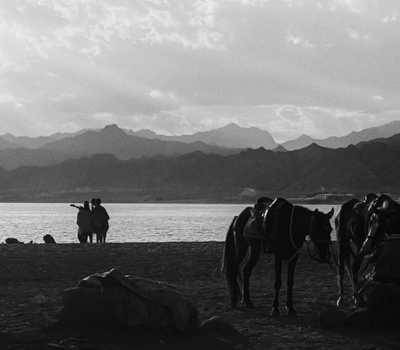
x=275, y=312
x=358, y=302
x=340, y=302
x=291, y=311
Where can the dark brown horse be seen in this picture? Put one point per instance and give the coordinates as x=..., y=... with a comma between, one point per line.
x=351, y=230
x=284, y=234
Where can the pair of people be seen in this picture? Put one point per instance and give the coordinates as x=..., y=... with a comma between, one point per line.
x=91, y=221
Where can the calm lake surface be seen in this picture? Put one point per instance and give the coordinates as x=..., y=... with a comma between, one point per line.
x=129, y=222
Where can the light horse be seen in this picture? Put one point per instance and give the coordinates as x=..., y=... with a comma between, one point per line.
x=285, y=226
x=383, y=222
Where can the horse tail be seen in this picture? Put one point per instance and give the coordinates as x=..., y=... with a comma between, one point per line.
x=343, y=248
x=229, y=253
x=230, y=265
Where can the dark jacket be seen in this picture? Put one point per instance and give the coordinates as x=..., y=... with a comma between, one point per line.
x=100, y=217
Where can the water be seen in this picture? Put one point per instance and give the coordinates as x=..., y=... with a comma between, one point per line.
x=129, y=222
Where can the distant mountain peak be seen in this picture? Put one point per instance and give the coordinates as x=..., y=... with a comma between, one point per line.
x=114, y=130
x=112, y=127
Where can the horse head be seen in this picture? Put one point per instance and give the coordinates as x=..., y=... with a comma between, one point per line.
x=320, y=233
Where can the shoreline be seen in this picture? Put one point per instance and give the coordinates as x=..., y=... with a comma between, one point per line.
x=245, y=203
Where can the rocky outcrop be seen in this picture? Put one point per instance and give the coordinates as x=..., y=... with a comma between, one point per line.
x=114, y=299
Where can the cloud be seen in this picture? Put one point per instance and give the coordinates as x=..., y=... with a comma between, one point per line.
x=182, y=66
x=299, y=41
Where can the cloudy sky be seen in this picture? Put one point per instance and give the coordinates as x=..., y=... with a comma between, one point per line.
x=321, y=67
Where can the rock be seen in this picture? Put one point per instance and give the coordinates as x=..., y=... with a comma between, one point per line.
x=49, y=239
x=39, y=299
x=12, y=240
x=222, y=330
x=112, y=298
x=332, y=318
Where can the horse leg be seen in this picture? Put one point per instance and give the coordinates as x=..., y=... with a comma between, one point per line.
x=355, y=271
x=254, y=255
x=278, y=283
x=290, y=281
x=353, y=279
x=340, y=277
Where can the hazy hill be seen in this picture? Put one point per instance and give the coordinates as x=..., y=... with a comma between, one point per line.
x=355, y=137
x=6, y=144
x=229, y=136
x=8, y=141
x=110, y=140
x=373, y=166
x=113, y=140
x=17, y=157
x=300, y=142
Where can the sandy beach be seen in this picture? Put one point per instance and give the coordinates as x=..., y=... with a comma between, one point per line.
x=32, y=278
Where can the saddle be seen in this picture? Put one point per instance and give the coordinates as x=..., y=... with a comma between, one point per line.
x=266, y=227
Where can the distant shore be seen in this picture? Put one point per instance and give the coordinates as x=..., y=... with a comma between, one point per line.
x=31, y=270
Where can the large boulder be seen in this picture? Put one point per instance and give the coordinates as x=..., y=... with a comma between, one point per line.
x=110, y=298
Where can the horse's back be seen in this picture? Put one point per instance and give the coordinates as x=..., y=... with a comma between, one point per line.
x=242, y=219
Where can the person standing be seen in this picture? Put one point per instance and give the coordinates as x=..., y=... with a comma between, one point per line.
x=84, y=222
x=100, y=221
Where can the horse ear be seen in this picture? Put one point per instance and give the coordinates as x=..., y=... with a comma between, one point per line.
x=330, y=214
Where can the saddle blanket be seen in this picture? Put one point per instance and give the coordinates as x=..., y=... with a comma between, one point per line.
x=268, y=227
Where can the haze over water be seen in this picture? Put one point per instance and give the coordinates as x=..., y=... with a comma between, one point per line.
x=129, y=222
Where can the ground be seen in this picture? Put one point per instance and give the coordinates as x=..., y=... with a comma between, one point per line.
x=33, y=276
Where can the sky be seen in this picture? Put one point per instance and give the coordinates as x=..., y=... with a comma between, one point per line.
x=316, y=67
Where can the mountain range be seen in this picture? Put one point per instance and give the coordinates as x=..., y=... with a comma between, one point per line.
x=353, y=138
x=110, y=140
x=368, y=166
x=229, y=136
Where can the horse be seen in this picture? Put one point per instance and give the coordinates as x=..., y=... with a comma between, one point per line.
x=291, y=223
x=384, y=221
x=351, y=230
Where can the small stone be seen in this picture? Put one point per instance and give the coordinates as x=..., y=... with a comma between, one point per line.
x=39, y=299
